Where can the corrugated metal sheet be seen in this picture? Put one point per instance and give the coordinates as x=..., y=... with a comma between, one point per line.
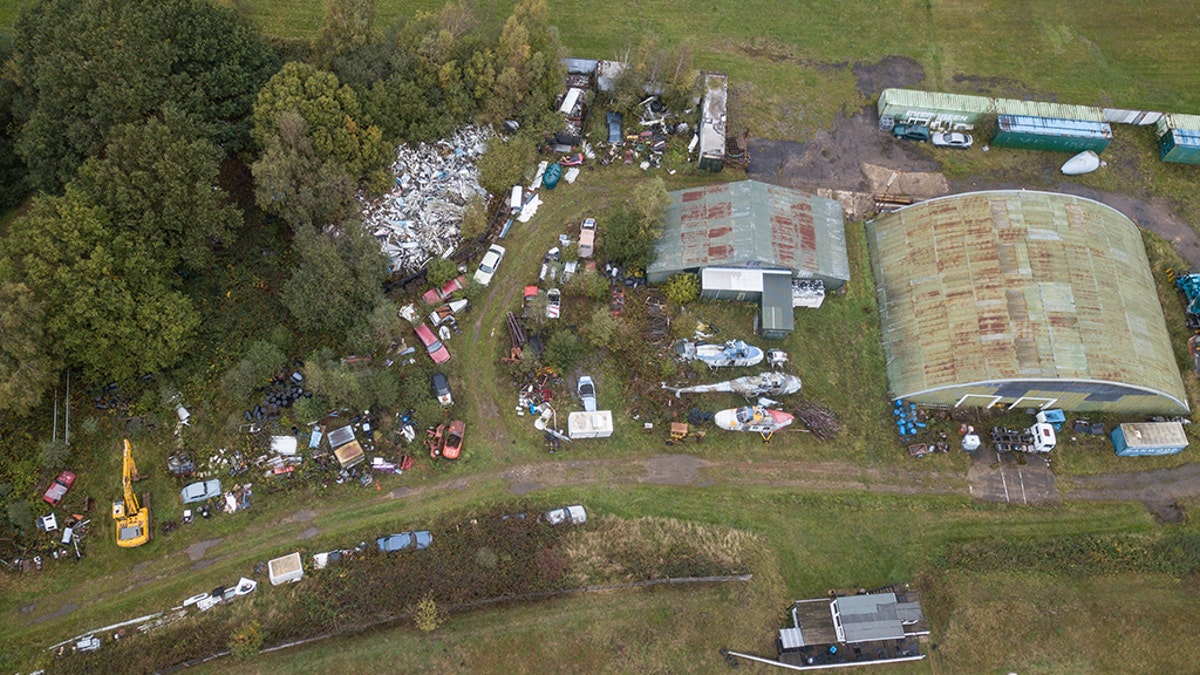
x=1139, y=117
x=712, y=122
x=1178, y=121
x=1017, y=293
x=580, y=66
x=932, y=106
x=749, y=224
x=1054, y=126
x=1063, y=111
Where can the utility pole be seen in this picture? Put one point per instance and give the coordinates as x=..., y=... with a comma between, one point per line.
x=67, y=425
x=54, y=433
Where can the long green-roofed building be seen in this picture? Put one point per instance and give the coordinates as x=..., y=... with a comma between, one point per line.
x=1021, y=299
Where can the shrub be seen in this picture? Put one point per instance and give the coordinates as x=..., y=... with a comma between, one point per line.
x=563, y=350
x=440, y=270
x=245, y=643
x=587, y=285
x=426, y=614
x=682, y=289
x=599, y=330
x=53, y=455
x=263, y=361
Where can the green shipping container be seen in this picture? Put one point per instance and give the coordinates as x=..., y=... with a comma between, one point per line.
x=1056, y=135
x=1180, y=145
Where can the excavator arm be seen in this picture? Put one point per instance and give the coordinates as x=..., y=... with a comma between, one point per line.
x=132, y=519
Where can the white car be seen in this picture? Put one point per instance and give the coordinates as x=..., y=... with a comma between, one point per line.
x=553, y=303
x=574, y=515
x=587, y=393
x=951, y=139
x=201, y=491
x=487, y=266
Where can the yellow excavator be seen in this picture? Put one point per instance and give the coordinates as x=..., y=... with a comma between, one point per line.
x=133, y=520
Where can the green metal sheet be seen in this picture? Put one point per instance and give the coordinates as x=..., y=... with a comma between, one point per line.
x=1062, y=111
x=752, y=224
x=934, y=107
x=1050, y=294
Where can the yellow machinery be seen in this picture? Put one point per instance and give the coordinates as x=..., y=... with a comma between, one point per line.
x=133, y=520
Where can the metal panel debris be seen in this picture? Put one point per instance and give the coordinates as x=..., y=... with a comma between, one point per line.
x=421, y=216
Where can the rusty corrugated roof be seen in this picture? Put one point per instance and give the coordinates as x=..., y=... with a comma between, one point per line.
x=753, y=223
x=1017, y=285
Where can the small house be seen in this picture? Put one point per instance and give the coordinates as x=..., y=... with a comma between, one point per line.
x=1179, y=138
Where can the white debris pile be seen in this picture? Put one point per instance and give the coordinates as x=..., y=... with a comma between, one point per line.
x=421, y=217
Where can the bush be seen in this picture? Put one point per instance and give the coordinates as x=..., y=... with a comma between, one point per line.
x=563, y=350
x=475, y=219
x=20, y=515
x=682, y=289
x=591, y=285
x=263, y=361
x=599, y=330
x=245, y=643
x=426, y=614
x=53, y=455
x=439, y=271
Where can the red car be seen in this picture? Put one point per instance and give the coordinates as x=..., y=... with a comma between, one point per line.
x=453, y=440
x=435, y=295
x=59, y=488
x=437, y=350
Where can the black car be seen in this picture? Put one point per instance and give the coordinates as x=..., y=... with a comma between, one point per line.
x=441, y=389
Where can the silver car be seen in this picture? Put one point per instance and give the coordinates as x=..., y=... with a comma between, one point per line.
x=202, y=491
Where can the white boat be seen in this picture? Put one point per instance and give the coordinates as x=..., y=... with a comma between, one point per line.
x=753, y=418
x=1085, y=162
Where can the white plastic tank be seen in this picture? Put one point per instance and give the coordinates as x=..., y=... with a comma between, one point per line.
x=970, y=442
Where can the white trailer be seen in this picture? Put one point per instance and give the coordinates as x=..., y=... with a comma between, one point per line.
x=285, y=570
x=598, y=424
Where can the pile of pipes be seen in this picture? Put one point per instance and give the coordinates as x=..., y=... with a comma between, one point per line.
x=421, y=217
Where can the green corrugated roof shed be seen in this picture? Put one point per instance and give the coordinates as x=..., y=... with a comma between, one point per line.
x=965, y=108
x=1014, y=294
x=1057, y=111
x=775, y=307
x=1177, y=121
x=752, y=224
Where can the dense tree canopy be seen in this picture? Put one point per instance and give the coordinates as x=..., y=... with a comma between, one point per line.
x=338, y=283
x=159, y=182
x=106, y=303
x=317, y=145
x=84, y=68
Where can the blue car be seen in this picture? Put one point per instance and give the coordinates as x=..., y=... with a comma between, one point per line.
x=405, y=540
x=614, y=127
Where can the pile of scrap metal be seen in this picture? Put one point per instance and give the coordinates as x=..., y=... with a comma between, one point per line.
x=421, y=217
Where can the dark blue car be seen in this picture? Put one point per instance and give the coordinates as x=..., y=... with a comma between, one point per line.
x=614, y=127
x=404, y=540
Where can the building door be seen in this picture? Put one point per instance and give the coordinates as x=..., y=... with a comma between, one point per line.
x=978, y=401
x=1033, y=401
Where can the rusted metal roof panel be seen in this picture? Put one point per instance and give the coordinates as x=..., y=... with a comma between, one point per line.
x=749, y=223
x=1019, y=285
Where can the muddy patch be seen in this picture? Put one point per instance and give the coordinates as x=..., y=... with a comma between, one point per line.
x=524, y=488
x=61, y=611
x=1166, y=512
x=834, y=158
x=201, y=564
x=401, y=493
x=198, y=550
x=673, y=469
x=310, y=532
x=892, y=71
x=302, y=516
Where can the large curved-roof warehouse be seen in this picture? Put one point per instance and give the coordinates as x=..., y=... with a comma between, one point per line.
x=1021, y=298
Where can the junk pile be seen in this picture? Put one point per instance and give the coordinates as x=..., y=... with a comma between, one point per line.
x=820, y=421
x=421, y=217
x=281, y=393
x=907, y=419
